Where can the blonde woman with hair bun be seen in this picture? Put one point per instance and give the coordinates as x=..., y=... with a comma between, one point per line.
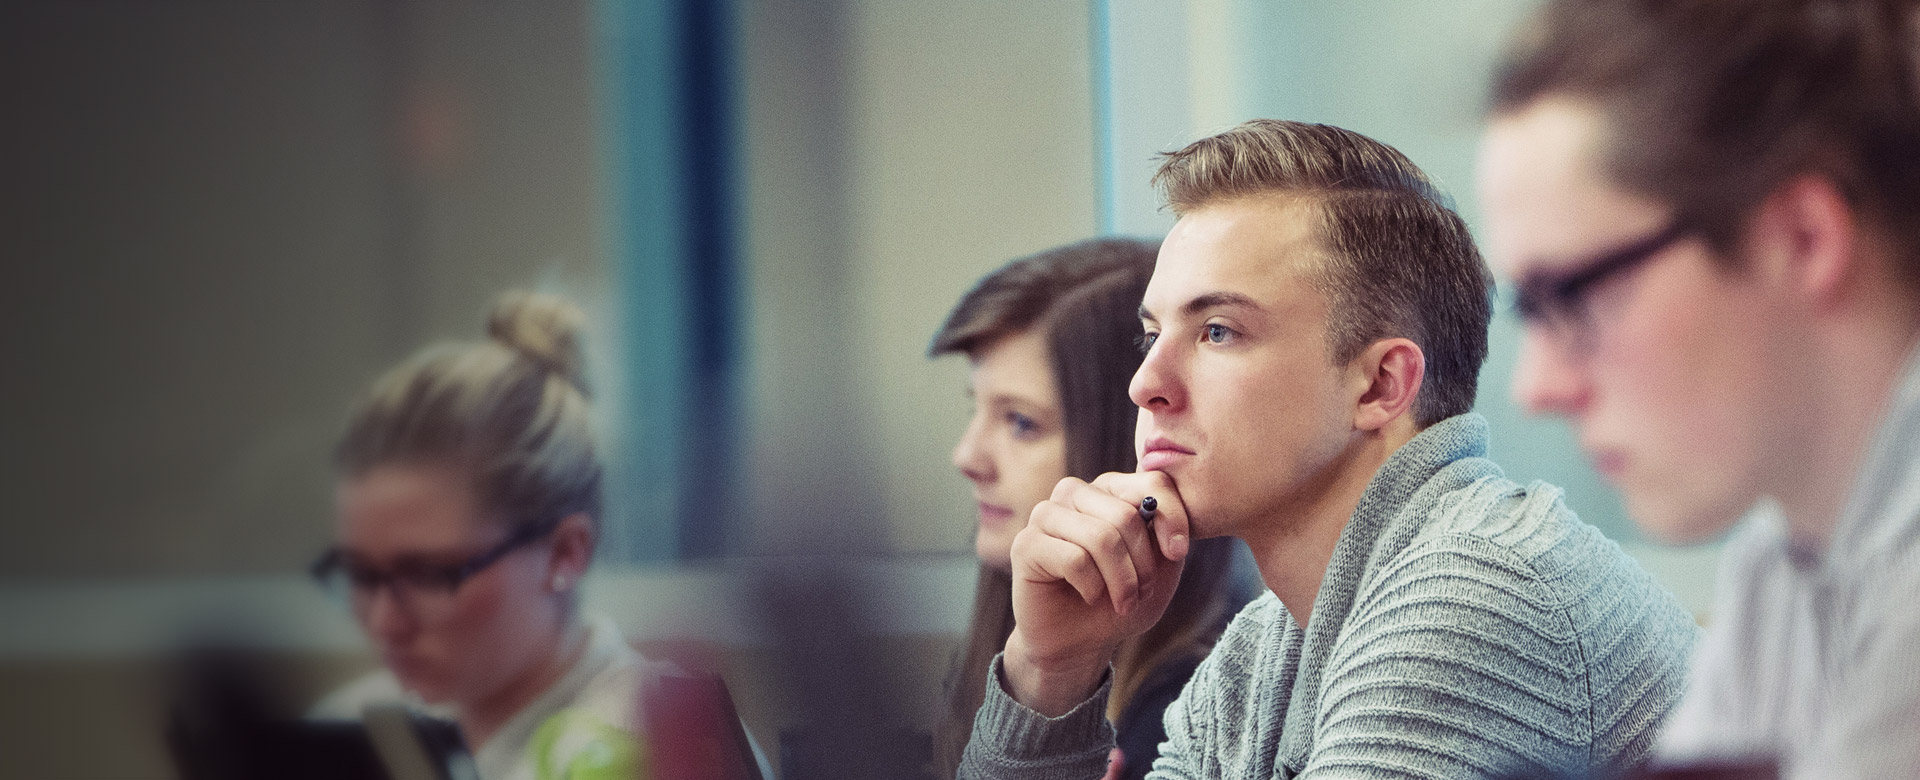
x=468, y=504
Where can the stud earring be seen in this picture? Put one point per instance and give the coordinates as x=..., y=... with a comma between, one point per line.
x=559, y=582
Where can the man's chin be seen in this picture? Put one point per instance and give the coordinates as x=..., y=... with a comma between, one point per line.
x=1202, y=523
x=1677, y=521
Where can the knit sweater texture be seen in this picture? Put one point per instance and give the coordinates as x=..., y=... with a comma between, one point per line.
x=1466, y=627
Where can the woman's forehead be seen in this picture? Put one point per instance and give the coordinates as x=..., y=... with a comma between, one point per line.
x=1016, y=364
x=407, y=507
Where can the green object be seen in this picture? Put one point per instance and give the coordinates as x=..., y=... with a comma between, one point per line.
x=576, y=745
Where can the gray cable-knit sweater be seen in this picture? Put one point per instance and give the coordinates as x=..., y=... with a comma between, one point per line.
x=1466, y=627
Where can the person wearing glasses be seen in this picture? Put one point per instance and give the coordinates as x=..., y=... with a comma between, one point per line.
x=1052, y=341
x=1711, y=213
x=467, y=508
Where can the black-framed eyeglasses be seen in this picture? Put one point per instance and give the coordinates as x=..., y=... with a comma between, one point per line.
x=1560, y=301
x=425, y=587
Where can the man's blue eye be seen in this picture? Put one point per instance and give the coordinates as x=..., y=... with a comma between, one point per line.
x=1218, y=334
x=1145, y=341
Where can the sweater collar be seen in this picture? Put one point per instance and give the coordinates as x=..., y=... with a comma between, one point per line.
x=1371, y=535
x=1368, y=536
x=1413, y=465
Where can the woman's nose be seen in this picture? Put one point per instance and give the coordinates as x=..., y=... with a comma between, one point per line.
x=969, y=455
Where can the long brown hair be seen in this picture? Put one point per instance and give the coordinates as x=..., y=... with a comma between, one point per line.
x=1085, y=297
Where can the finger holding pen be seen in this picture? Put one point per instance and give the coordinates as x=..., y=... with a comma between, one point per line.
x=1109, y=541
x=1117, y=500
x=1088, y=573
x=1166, y=521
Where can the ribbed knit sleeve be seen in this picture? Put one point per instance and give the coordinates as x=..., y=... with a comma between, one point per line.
x=1452, y=667
x=1013, y=742
x=1498, y=653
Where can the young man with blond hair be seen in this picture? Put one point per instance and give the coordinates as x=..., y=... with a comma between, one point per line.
x=1314, y=328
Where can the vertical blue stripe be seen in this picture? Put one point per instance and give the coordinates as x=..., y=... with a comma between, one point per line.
x=667, y=86
x=638, y=48
x=707, y=179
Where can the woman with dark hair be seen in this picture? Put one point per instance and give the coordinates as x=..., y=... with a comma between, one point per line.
x=1053, y=341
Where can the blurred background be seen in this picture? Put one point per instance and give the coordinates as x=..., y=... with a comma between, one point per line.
x=223, y=219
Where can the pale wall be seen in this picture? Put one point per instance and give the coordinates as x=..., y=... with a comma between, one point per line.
x=943, y=140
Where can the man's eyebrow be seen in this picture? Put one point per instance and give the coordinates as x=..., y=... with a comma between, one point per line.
x=1215, y=300
x=1212, y=300
x=1218, y=300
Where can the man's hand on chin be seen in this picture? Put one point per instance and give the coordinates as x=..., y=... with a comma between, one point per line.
x=1089, y=571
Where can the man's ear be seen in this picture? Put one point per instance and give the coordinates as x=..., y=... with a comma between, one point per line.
x=571, y=550
x=1390, y=372
x=1804, y=234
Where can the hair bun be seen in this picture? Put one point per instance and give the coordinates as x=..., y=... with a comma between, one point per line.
x=544, y=329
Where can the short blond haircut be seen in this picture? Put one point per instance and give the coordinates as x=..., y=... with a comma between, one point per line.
x=1398, y=262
